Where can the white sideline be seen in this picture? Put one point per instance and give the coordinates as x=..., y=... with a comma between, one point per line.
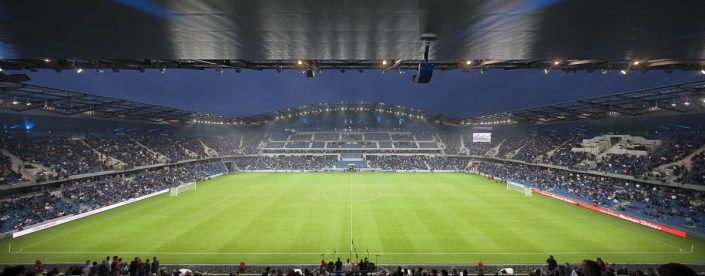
x=81, y=215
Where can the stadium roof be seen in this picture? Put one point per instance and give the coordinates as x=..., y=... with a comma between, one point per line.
x=678, y=98
x=674, y=99
x=276, y=34
x=29, y=98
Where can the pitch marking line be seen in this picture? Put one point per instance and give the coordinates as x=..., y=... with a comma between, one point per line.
x=375, y=253
x=108, y=217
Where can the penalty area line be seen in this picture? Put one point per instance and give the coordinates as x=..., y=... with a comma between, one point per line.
x=374, y=253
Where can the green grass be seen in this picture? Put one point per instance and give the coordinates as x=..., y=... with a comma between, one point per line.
x=405, y=218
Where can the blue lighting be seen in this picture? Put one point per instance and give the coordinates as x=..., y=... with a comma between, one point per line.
x=681, y=126
x=28, y=124
x=146, y=6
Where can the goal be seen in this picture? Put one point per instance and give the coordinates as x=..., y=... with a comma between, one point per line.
x=183, y=188
x=513, y=186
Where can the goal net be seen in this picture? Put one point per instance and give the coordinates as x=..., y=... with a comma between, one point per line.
x=183, y=188
x=513, y=186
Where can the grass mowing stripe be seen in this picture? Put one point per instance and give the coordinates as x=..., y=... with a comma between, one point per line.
x=406, y=218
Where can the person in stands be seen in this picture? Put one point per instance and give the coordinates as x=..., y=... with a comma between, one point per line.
x=590, y=268
x=552, y=263
x=155, y=266
x=673, y=269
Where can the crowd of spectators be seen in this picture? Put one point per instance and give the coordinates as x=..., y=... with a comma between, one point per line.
x=59, y=155
x=63, y=156
x=447, y=163
x=563, y=155
x=7, y=174
x=291, y=162
x=625, y=164
x=164, y=146
x=537, y=146
x=665, y=204
x=696, y=173
x=117, y=265
x=451, y=141
x=123, y=149
x=80, y=196
x=398, y=162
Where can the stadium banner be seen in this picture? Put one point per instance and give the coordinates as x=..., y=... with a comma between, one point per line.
x=615, y=214
x=66, y=219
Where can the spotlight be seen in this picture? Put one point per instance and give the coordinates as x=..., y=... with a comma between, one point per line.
x=300, y=62
x=0, y=69
x=686, y=103
x=605, y=71
x=624, y=72
x=545, y=71
x=556, y=62
x=79, y=70
x=468, y=62
x=14, y=101
x=162, y=70
x=636, y=62
x=673, y=104
x=701, y=71
x=28, y=103
x=384, y=62
x=47, y=60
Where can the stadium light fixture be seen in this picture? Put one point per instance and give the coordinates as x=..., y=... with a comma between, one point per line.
x=300, y=62
x=556, y=62
x=702, y=71
x=686, y=103
x=545, y=71
x=162, y=70
x=0, y=69
x=468, y=62
x=47, y=60
x=79, y=70
x=14, y=101
x=636, y=62
x=28, y=103
x=384, y=62
x=624, y=72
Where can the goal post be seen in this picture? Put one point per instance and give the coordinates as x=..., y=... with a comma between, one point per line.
x=513, y=186
x=191, y=186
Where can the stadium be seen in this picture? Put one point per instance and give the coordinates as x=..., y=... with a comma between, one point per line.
x=406, y=138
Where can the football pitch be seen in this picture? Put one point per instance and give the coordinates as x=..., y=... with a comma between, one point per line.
x=420, y=218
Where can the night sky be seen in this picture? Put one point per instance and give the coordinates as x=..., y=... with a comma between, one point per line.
x=453, y=92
